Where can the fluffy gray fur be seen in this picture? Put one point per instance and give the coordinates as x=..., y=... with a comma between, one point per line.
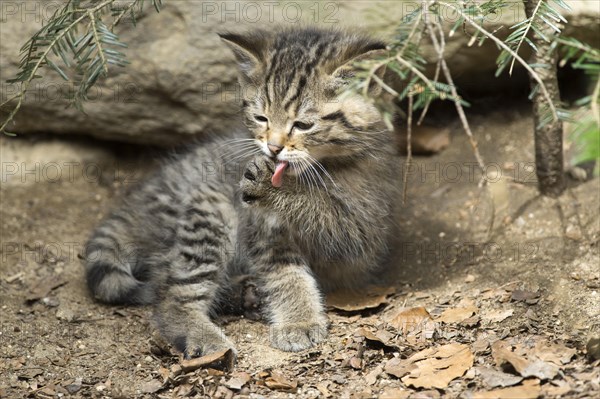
x=178, y=238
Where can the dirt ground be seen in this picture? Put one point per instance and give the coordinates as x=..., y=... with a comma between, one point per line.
x=491, y=293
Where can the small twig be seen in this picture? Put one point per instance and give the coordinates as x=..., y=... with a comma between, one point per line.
x=371, y=74
x=9, y=100
x=407, y=164
x=435, y=78
x=529, y=25
x=385, y=86
x=412, y=33
x=416, y=72
x=100, y=52
x=439, y=47
x=122, y=14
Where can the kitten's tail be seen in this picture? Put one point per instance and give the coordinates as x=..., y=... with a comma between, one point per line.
x=113, y=269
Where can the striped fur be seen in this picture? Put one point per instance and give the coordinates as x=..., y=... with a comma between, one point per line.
x=180, y=237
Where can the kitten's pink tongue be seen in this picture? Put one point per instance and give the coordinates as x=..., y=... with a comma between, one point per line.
x=277, y=179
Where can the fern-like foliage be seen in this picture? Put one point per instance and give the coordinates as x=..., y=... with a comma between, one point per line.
x=79, y=43
x=407, y=63
x=545, y=15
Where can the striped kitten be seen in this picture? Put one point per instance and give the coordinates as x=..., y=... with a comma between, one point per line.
x=312, y=211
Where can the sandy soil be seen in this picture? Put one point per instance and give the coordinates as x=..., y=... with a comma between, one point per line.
x=526, y=268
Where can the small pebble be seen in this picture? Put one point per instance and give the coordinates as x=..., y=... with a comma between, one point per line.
x=51, y=301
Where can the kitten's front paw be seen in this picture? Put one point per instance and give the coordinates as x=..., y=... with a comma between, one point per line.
x=294, y=337
x=257, y=179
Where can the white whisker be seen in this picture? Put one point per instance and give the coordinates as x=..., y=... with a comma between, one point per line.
x=243, y=155
x=238, y=148
x=310, y=174
x=232, y=142
x=320, y=165
x=317, y=175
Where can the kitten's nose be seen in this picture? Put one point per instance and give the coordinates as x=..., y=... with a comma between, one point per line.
x=274, y=148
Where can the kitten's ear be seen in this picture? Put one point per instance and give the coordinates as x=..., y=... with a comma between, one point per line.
x=343, y=73
x=248, y=50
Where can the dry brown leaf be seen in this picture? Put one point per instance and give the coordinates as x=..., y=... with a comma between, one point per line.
x=151, y=386
x=493, y=378
x=497, y=293
x=529, y=297
x=175, y=370
x=352, y=301
x=184, y=390
x=412, y=320
x=480, y=346
x=237, y=380
x=380, y=338
x=371, y=378
x=164, y=373
x=502, y=353
x=215, y=372
x=559, y=391
x=552, y=352
x=436, y=367
x=363, y=332
x=30, y=373
x=456, y=315
x=356, y=363
x=395, y=393
x=323, y=389
x=399, y=367
x=529, y=390
x=470, y=322
x=279, y=381
x=221, y=359
x=496, y=316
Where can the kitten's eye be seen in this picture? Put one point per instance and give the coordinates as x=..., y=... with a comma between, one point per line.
x=261, y=119
x=302, y=125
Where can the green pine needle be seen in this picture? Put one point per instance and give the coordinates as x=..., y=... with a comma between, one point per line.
x=79, y=58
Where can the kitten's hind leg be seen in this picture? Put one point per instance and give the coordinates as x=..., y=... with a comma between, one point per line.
x=197, y=272
x=187, y=325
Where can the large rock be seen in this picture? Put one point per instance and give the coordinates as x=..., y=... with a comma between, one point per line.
x=182, y=80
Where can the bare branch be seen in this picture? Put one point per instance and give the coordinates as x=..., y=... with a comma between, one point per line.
x=408, y=162
x=439, y=46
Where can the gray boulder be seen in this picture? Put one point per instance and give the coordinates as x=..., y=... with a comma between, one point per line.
x=182, y=80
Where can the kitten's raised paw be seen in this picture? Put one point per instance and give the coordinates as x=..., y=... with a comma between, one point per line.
x=294, y=337
x=256, y=179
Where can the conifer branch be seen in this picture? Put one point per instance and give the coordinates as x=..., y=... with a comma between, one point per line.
x=467, y=18
x=528, y=26
x=92, y=52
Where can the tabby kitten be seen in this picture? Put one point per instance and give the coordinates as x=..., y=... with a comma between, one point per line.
x=312, y=211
